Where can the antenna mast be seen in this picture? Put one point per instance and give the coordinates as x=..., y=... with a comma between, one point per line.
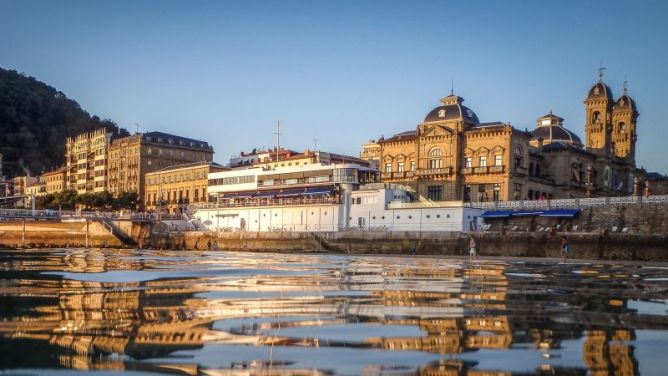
x=278, y=138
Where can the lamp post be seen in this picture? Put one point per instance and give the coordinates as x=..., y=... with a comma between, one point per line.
x=589, y=183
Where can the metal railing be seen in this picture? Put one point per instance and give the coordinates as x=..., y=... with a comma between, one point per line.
x=269, y=202
x=569, y=203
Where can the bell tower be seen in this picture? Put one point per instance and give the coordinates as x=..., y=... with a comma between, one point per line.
x=598, y=126
x=624, y=119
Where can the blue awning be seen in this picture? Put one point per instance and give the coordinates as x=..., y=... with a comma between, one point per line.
x=265, y=194
x=237, y=195
x=561, y=213
x=290, y=193
x=526, y=213
x=496, y=214
x=318, y=191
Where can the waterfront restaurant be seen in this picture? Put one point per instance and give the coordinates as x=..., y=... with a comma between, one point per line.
x=322, y=196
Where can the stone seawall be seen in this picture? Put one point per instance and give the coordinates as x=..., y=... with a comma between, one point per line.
x=516, y=244
x=637, y=218
x=55, y=234
x=584, y=245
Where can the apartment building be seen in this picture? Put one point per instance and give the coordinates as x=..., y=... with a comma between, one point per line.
x=132, y=157
x=86, y=161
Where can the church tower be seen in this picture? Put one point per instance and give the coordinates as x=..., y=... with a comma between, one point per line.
x=624, y=118
x=598, y=126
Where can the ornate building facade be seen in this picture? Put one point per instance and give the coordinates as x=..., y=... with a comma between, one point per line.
x=451, y=155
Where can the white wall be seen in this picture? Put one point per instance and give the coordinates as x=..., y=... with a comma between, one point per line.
x=287, y=218
x=371, y=212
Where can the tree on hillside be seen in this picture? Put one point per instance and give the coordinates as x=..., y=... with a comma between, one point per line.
x=35, y=121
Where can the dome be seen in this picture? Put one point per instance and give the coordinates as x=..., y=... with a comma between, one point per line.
x=625, y=102
x=600, y=91
x=554, y=133
x=451, y=108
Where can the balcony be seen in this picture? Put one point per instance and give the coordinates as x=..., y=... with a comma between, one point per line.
x=480, y=170
x=496, y=169
x=398, y=175
x=466, y=171
x=434, y=171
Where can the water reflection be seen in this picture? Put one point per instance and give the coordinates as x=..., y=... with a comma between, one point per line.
x=268, y=314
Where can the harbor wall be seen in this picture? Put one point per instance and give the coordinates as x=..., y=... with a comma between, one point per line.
x=644, y=219
x=55, y=234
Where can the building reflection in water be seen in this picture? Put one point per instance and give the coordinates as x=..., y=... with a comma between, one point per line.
x=65, y=309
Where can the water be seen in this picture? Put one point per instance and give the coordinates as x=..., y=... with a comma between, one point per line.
x=192, y=313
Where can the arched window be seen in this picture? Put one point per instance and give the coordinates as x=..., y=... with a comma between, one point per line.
x=435, y=152
x=536, y=171
x=530, y=168
x=435, y=160
x=622, y=127
x=596, y=117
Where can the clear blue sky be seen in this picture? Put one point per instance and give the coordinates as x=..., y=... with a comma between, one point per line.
x=339, y=71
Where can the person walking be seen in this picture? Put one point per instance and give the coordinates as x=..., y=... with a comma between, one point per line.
x=215, y=245
x=472, y=248
x=564, y=248
x=208, y=245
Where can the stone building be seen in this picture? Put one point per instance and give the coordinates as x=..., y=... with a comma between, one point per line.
x=132, y=157
x=86, y=161
x=451, y=155
x=173, y=188
x=55, y=180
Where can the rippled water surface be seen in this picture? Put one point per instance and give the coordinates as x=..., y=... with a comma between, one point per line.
x=221, y=313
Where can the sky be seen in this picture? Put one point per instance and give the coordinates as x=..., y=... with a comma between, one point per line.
x=339, y=73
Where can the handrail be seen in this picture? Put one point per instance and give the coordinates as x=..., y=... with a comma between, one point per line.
x=569, y=202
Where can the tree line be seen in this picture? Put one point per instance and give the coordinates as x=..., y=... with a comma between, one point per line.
x=70, y=200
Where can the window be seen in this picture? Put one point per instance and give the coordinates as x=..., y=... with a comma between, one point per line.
x=467, y=162
x=497, y=192
x=483, y=161
x=467, y=193
x=434, y=192
x=412, y=165
x=482, y=193
x=498, y=160
x=435, y=152
x=622, y=128
x=401, y=167
x=388, y=167
x=596, y=117
x=435, y=163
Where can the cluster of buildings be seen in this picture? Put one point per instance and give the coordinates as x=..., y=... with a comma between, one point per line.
x=451, y=155
x=98, y=161
x=419, y=179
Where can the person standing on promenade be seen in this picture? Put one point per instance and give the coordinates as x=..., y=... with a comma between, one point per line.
x=564, y=248
x=472, y=248
x=208, y=245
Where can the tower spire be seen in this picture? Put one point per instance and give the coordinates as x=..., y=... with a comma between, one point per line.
x=626, y=84
x=452, y=86
x=601, y=68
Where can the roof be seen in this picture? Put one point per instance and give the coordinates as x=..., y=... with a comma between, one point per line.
x=452, y=112
x=407, y=135
x=551, y=133
x=165, y=138
x=656, y=176
x=600, y=91
x=190, y=165
x=625, y=102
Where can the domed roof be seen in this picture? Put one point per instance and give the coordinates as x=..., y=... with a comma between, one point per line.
x=553, y=133
x=451, y=108
x=625, y=102
x=600, y=91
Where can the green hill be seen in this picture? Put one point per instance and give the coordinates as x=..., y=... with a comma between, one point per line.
x=35, y=121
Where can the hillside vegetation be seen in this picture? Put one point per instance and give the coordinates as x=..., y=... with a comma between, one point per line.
x=35, y=121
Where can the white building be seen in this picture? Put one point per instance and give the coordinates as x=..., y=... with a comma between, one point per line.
x=318, y=196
